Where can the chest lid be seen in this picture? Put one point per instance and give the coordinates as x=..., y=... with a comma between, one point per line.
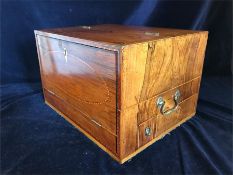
x=113, y=34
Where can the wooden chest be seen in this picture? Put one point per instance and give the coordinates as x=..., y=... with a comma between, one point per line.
x=124, y=87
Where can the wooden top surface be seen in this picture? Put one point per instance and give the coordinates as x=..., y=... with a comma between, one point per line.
x=116, y=34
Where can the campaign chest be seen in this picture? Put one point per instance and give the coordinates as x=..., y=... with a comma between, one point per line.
x=124, y=87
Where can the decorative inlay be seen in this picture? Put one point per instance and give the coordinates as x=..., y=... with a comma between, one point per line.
x=69, y=60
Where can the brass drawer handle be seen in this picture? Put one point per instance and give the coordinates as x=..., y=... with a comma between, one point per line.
x=161, y=104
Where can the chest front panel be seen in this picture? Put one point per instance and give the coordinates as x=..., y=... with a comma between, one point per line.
x=82, y=76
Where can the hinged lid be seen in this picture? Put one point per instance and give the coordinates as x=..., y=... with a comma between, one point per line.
x=117, y=34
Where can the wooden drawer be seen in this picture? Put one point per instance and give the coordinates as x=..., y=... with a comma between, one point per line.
x=159, y=124
x=149, y=109
x=151, y=117
x=89, y=125
x=82, y=76
x=146, y=131
x=187, y=108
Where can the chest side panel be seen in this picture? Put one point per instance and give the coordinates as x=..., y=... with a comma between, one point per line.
x=83, y=77
x=144, y=123
x=151, y=68
x=158, y=69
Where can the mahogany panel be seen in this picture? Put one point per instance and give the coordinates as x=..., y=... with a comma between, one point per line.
x=95, y=130
x=128, y=131
x=83, y=76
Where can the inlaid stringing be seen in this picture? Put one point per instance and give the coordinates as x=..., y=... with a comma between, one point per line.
x=107, y=81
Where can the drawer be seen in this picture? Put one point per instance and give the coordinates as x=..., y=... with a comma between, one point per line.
x=186, y=108
x=81, y=75
x=178, y=104
x=166, y=122
x=146, y=131
x=149, y=108
x=89, y=125
x=160, y=123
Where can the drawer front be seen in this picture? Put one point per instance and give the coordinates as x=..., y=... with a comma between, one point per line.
x=146, y=131
x=82, y=76
x=149, y=109
x=162, y=116
x=159, y=124
x=186, y=109
x=87, y=124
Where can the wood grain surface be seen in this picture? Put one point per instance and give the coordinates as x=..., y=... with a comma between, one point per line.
x=104, y=137
x=136, y=118
x=142, y=137
x=115, y=34
x=86, y=79
x=154, y=69
x=147, y=108
x=106, y=79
